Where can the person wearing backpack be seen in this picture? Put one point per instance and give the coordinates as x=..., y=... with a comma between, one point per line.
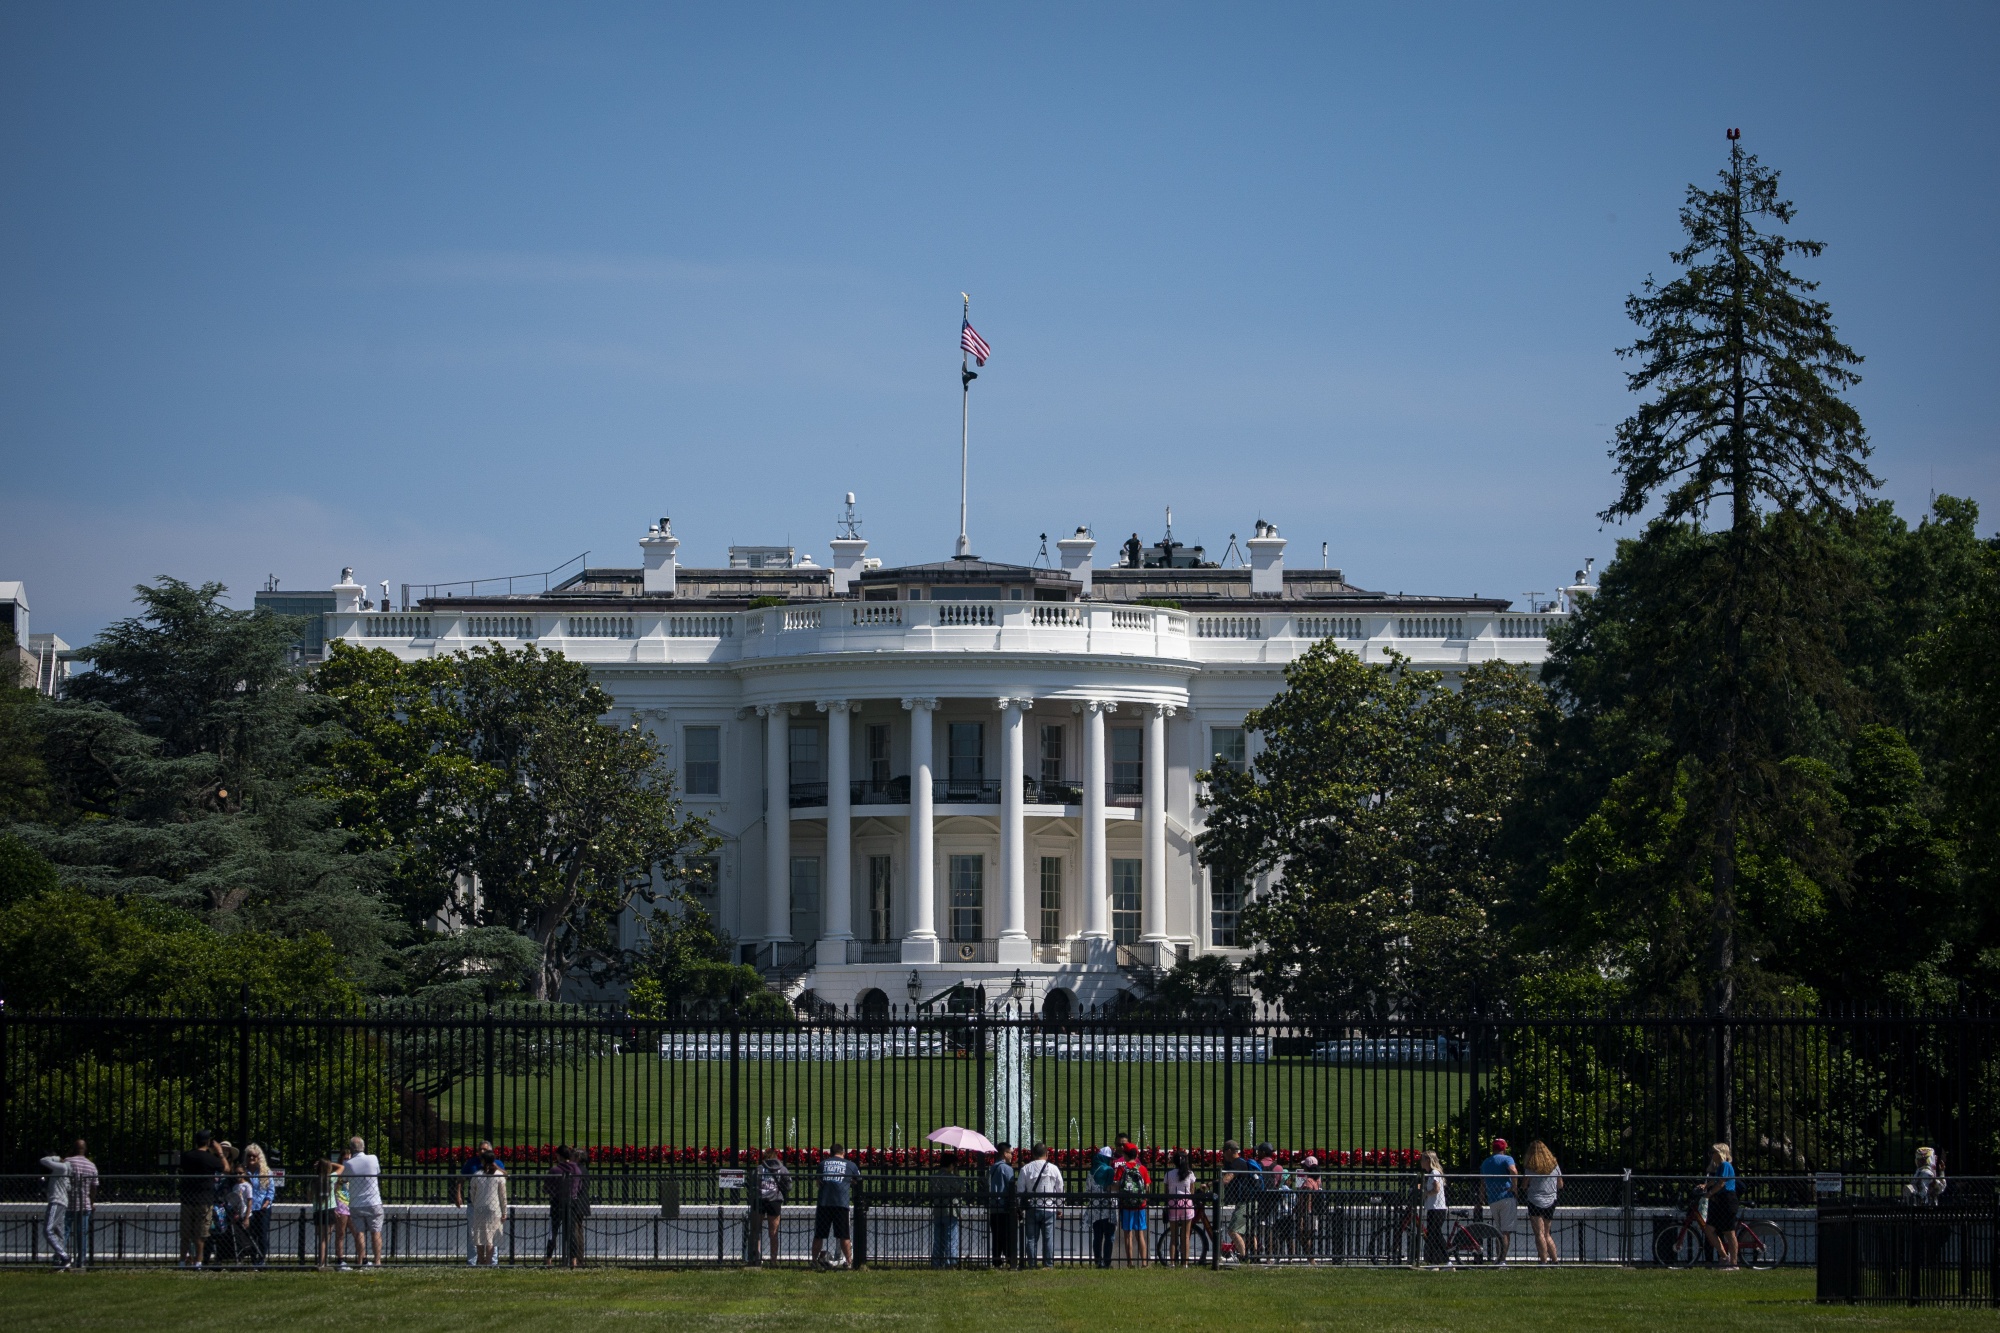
x=1133, y=1185
x=774, y=1182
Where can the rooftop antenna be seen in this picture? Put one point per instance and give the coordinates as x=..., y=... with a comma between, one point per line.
x=1534, y=599
x=850, y=526
x=1322, y=555
x=1170, y=525
x=270, y=583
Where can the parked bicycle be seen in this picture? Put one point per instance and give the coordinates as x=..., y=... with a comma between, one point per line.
x=1464, y=1242
x=1685, y=1244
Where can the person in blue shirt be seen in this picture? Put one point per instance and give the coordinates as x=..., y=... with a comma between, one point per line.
x=1502, y=1189
x=1719, y=1184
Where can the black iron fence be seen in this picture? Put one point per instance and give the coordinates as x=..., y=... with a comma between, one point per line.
x=1873, y=1243
x=1794, y=1094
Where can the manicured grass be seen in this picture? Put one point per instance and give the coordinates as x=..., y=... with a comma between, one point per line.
x=641, y=1099
x=1083, y=1301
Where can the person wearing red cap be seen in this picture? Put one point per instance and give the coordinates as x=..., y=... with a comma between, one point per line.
x=1502, y=1181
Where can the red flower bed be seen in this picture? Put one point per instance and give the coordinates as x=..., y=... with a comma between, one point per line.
x=602, y=1155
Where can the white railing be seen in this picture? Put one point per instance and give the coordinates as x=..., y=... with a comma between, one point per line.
x=1123, y=617
x=603, y=627
x=1430, y=627
x=1523, y=627
x=1229, y=627
x=1055, y=613
x=877, y=613
x=500, y=627
x=802, y=617
x=701, y=627
x=1329, y=627
x=396, y=627
x=965, y=613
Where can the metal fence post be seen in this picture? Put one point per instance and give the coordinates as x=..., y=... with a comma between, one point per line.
x=979, y=1070
x=1228, y=1085
x=735, y=1106
x=243, y=1068
x=1626, y=1218
x=486, y=1065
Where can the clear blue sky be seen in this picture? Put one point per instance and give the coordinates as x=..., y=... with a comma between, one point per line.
x=440, y=291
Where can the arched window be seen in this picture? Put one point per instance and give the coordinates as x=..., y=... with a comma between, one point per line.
x=1059, y=1005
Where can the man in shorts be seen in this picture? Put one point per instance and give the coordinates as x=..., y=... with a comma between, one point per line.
x=363, y=1174
x=1501, y=1179
x=198, y=1168
x=1242, y=1184
x=837, y=1179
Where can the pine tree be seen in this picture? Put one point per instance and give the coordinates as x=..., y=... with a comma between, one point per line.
x=1744, y=373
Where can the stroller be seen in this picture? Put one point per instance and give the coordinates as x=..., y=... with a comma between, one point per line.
x=230, y=1239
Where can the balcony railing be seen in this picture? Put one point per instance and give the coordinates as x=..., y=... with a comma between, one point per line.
x=966, y=791
x=808, y=793
x=894, y=791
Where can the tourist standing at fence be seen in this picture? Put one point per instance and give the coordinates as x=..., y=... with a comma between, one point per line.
x=1180, y=1207
x=1501, y=1178
x=363, y=1173
x=264, y=1184
x=329, y=1208
x=1432, y=1208
x=1719, y=1184
x=1541, y=1182
x=1041, y=1186
x=1000, y=1205
x=1133, y=1184
x=82, y=1203
x=237, y=1195
x=55, y=1215
x=947, y=1186
x=562, y=1186
x=1103, y=1208
x=198, y=1168
x=1927, y=1185
x=1242, y=1186
x=838, y=1178
x=486, y=1208
x=774, y=1185
x=472, y=1166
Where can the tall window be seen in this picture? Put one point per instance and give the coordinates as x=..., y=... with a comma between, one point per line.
x=878, y=755
x=1125, y=880
x=1225, y=907
x=1128, y=761
x=968, y=899
x=701, y=765
x=1052, y=756
x=805, y=755
x=805, y=898
x=966, y=753
x=879, y=899
x=1227, y=752
x=1052, y=900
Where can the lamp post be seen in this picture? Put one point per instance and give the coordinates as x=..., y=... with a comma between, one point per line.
x=915, y=985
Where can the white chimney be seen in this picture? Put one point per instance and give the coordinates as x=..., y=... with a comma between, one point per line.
x=1267, y=561
x=658, y=547
x=1076, y=553
x=347, y=593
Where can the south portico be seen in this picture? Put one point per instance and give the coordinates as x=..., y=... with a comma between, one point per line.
x=985, y=795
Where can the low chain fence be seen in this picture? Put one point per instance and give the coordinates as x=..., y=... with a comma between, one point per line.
x=942, y=1218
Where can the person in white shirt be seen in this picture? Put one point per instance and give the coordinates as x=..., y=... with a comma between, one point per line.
x=55, y=1222
x=1436, y=1213
x=1041, y=1186
x=363, y=1174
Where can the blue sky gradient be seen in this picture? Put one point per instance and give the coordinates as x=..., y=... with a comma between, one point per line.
x=451, y=290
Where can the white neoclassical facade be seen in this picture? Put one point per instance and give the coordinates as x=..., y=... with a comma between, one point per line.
x=962, y=773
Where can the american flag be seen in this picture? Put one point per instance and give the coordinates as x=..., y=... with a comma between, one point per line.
x=969, y=339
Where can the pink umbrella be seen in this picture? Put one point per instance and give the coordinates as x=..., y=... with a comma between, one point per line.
x=953, y=1136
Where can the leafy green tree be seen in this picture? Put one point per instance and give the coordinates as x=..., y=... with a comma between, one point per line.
x=23, y=775
x=506, y=799
x=1379, y=796
x=1196, y=988
x=1743, y=374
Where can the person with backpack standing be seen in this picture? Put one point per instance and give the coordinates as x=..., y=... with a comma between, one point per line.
x=774, y=1184
x=1103, y=1208
x=1133, y=1185
x=1000, y=1205
x=1041, y=1188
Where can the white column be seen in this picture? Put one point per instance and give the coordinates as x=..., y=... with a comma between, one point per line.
x=920, y=941
x=1153, y=918
x=1096, y=874
x=1013, y=946
x=837, y=917
x=777, y=821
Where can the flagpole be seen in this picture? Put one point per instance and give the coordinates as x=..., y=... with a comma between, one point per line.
x=965, y=378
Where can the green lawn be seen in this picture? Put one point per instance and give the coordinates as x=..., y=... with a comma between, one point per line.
x=915, y=1302
x=641, y=1099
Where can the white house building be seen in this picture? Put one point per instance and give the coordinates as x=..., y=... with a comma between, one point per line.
x=960, y=773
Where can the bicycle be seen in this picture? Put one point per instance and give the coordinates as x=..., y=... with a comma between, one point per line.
x=1464, y=1242
x=1684, y=1244
x=1201, y=1246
